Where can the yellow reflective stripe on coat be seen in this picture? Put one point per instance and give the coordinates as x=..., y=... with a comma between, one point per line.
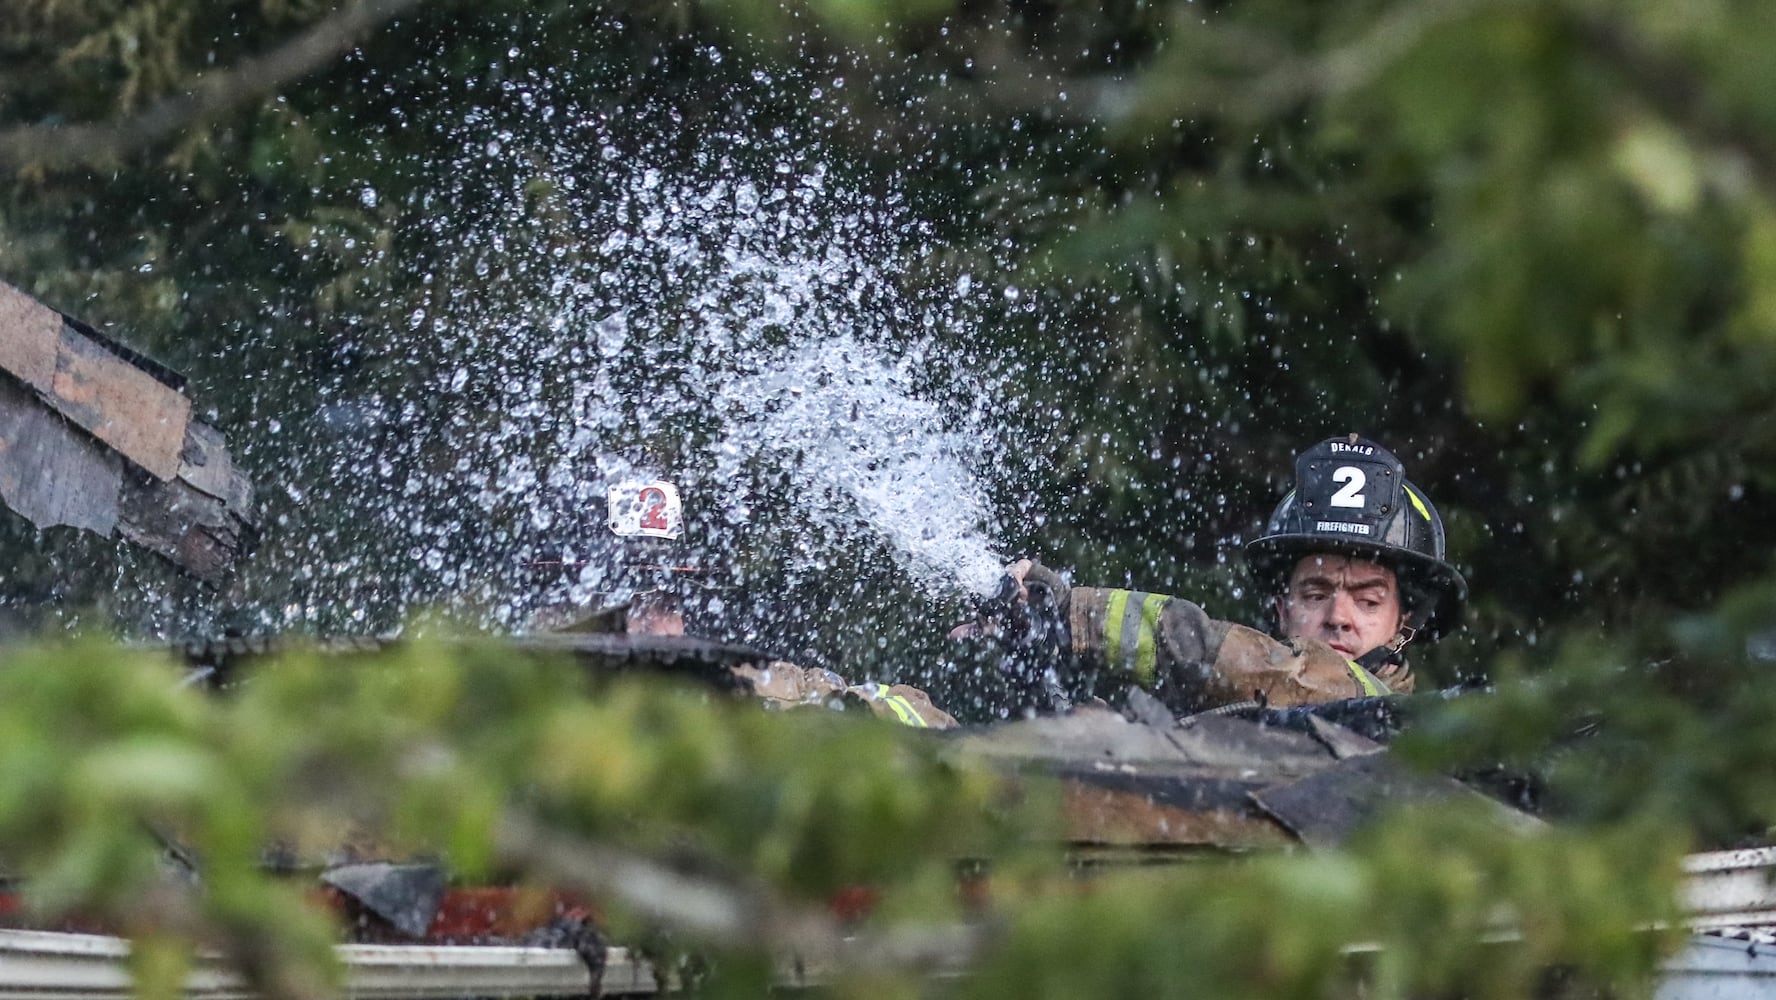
x=1130, y=641
x=1369, y=684
x=903, y=709
x=1147, y=644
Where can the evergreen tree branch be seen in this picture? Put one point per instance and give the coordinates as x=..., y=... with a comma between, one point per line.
x=1679, y=94
x=1222, y=68
x=51, y=146
x=1266, y=78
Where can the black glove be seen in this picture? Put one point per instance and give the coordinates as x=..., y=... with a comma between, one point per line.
x=1390, y=667
x=1047, y=589
x=1031, y=613
x=1027, y=619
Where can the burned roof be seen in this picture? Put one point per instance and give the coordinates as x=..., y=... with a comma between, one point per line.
x=96, y=436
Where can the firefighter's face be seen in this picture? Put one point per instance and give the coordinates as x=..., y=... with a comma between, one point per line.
x=1348, y=603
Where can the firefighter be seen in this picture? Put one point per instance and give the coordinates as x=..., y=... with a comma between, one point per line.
x=1352, y=563
x=647, y=518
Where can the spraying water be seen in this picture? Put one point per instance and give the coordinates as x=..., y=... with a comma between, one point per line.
x=858, y=434
x=744, y=332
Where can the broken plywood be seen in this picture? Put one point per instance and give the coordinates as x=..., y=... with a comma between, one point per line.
x=187, y=526
x=120, y=404
x=1328, y=808
x=205, y=463
x=49, y=471
x=1147, y=811
x=115, y=394
x=30, y=335
x=1217, y=781
x=99, y=437
x=1099, y=737
x=1138, y=786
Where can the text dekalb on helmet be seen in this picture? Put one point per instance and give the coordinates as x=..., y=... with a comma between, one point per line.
x=1351, y=496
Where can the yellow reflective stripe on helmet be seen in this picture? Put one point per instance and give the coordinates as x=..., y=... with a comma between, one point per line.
x=1368, y=683
x=1113, y=615
x=1146, y=645
x=1417, y=504
x=902, y=709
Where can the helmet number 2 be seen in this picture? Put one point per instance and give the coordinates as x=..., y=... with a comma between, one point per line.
x=1351, y=493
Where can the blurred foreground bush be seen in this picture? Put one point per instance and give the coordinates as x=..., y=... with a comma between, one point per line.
x=693, y=813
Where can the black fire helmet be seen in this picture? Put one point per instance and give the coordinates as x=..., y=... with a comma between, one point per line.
x=1351, y=496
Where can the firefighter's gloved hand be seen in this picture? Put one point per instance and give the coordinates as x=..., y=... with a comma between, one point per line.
x=1043, y=588
x=1388, y=665
x=1029, y=593
x=1004, y=613
x=1397, y=675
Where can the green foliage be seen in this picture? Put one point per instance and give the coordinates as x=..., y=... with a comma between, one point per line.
x=1428, y=906
x=1678, y=743
x=432, y=752
x=111, y=758
x=435, y=741
x=440, y=749
x=1532, y=246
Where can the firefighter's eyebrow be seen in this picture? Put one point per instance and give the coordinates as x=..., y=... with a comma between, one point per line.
x=1321, y=580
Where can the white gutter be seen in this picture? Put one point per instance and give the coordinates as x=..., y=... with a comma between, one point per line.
x=1721, y=889
x=36, y=965
x=1730, y=888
